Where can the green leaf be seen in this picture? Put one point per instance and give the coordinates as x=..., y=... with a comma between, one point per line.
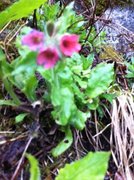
x=101, y=112
x=91, y=167
x=69, y=20
x=51, y=11
x=78, y=119
x=79, y=94
x=7, y=103
x=18, y=10
x=109, y=97
x=10, y=90
x=87, y=62
x=93, y=104
x=64, y=104
x=34, y=169
x=100, y=79
x=82, y=84
x=23, y=75
x=5, y=72
x=130, y=68
x=64, y=144
x=2, y=55
x=20, y=117
x=20, y=73
x=30, y=85
x=26, y=63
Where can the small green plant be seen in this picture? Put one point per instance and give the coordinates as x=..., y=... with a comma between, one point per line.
x=73, y=87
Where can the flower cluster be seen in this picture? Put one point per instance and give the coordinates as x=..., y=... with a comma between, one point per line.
x=50, y=53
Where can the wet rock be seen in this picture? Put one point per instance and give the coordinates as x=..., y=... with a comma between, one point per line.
x=123, y=16
x=118, y=23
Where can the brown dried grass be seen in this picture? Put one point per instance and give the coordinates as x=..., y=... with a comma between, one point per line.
x=122, y=135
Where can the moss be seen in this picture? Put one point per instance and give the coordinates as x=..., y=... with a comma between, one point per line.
x=103, y=4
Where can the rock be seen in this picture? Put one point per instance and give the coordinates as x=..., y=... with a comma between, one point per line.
x=119, y=29
x=123, y=16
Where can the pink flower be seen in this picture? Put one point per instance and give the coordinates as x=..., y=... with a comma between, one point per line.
x=34, y=40
x=48, y=57
x=69, y=44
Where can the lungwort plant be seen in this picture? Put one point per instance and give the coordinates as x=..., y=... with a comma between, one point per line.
x=73, y=86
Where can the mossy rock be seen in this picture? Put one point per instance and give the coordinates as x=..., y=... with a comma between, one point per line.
x=103, y=4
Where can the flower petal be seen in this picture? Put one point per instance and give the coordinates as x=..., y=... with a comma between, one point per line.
x=69, y=44
x=34, y=40
x=48, y=57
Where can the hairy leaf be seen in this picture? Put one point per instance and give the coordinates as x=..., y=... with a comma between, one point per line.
x=20, y=117
x=130, y=69
x=34, y=169
x=23, y=75
x=93, y=104
x=101, y=77
x=19, y=10
x=7, y=103
x=93, y=166
x=66, y=105
x=5, y=71
x=51, y=11
x=78, y=119
x=88, y=61
x=64, y=144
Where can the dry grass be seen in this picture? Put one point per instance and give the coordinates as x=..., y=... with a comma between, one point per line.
x=122, y=135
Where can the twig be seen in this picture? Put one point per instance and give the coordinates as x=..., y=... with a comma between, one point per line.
x=16, y=33
x=5, y=27
x=102, y=130
x=62, y=10
x=7, y=132
x=33, y=135
x=93, y=17
x=21, y=160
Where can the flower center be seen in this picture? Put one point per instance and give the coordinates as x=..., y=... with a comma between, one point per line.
x=36, y=40
x=49, y=54
x=66, y=43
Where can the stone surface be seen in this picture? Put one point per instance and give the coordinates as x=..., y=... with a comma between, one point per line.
x=123, y=16
x=118, y=23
